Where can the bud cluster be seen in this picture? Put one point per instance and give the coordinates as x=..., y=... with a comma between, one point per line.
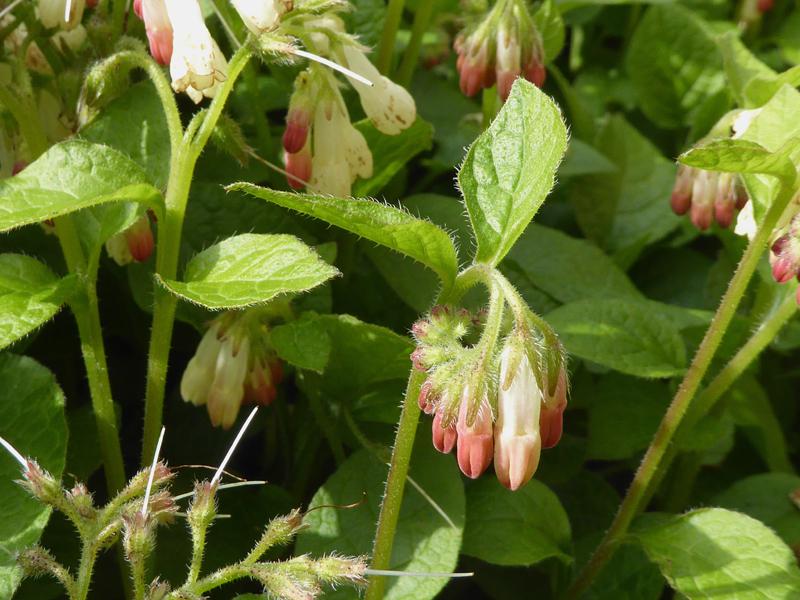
x=785, y=254
x=707, y=196
x=233, y=365
x=322, y=148
x=506, y=408
x=504, y=45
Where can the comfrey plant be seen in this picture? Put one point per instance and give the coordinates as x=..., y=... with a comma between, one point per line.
x=145, y=503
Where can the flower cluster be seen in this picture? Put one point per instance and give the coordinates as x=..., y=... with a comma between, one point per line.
x=507, y=412
x=322, y=148
x=707, y=196
x=233, y=365
x=503, y=46
x=785, y=252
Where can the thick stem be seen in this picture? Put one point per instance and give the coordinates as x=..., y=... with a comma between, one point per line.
x=394, y=14
x=395, y=485
x=182, y=167
x=651, y=462
x=422, y=20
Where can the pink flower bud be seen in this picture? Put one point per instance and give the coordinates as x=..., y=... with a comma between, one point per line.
x=420, y=329
x=139, y=237
x=783, y=268
x=551, y=418
x=18, y=167
x=296, y=133
x=298, y=165
x=765, y=5
x=779, y=244
x=475, y=442
x=681, y=199
x=418, y=359
x=535, y=72
x=701, y=215
x=444, y=438
x=259, y=387
x=426, y=397
x=158, y=28
x=724, y=211
x=474, y=72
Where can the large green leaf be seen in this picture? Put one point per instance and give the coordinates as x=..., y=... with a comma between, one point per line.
x=250, y=269
x=768, y=498
x=625, y=210
x=390, y=153
x=625, y=335
x=741, y=68
x=135, y=125
x=720, y=554
x=674, y=64
x=68, y=177
x=386, y=225
x=551, y=27
x=515, y=528
x=32, y=420
x=425, y=541
x=567, y=268
x=510, y=169
x=30, y=295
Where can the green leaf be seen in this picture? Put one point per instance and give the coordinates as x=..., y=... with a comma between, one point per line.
x=583, y=159
x=350, y=353
x=390, y=153
x=366, y=20
x=510, y=169
x=720, y=554
x=628, y=576
x=626, y=210
x=515, y=528
x=741, y=156
x=32, y=420
x=741, y=68
x=625, y=335
x=567, y=268
x=68, y=177
x=425, y=541
x=250, y=269
x=135, y=125
x=30, y=295
x=674, y=64
x=551, y=27
x=386, y=225
x=624, y=415
x=768, y=498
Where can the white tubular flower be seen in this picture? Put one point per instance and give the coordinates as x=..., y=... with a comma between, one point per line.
x=517, y=441
x=197, y=63
x=330, y=167
x=259, y=15
x=199, y=373
x=227, y=391
x=357, y=152
x=52, y=13
x=389, y=106
x=746, y=222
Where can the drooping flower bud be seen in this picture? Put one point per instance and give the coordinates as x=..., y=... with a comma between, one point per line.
x=517, y=441
x=388, y=105
x=227, y=389
x=330, y=164
x=197, y=64
x=426, y=398
x=260, y=16
x=475, y=441
x=707, y=196
x=298, y=122
x=551, y=418
x=134, y=244
x=508, y=60
x=199, y=373
x=473, y=66
x=299, y=167
x=444, y=438
x=158, y=28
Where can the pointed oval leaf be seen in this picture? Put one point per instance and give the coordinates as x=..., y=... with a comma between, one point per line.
x=720, y=554
x=511, y=168
x=626, y=335
x=742, y=156
x=32, y=420
x=250, y=269
x=30, y=295
x=385, y=225
x=68, y=177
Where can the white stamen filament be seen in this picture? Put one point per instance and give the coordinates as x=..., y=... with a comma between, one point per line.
x=13, y=452
x=238, y=437
x=149, y=487
x=224, y=486
x=9, y=8
x=67, y=7
x=335, y=66
x=414, y=574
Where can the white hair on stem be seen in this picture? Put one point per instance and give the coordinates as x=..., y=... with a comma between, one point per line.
x=149, y=487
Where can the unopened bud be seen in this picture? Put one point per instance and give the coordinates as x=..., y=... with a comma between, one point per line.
x=334, y=570
x=475, y=442
x=280, y=531
x=444, y=437
x=204, y=505
x=426, y=398
x=81, y=499
x=41, y=484
x=138, y=538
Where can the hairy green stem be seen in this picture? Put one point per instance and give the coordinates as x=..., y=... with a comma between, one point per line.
x=422, y=20
x=394, y=14
x=85, y=570
x=648, y=470
x=395, y=485
x=170, y=229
